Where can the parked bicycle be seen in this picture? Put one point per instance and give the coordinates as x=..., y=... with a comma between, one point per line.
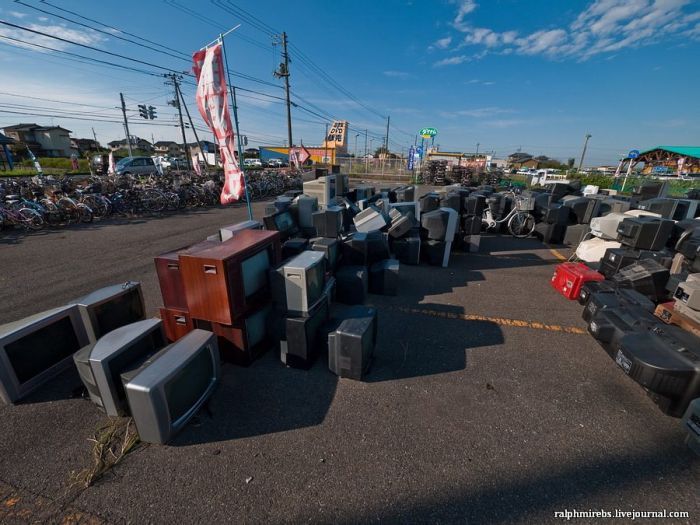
x=520, y=222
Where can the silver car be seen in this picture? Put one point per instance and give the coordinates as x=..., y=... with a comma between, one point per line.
x=136, y=166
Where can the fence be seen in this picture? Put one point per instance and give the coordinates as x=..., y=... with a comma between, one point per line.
x=375, y=167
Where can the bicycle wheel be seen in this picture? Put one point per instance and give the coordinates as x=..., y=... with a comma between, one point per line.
x=97, y=205
x=86, y=214
x=521, y=225
x=31, y=219
x=153, y=201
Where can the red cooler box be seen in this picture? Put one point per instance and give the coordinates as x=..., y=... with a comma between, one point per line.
x=569, y=277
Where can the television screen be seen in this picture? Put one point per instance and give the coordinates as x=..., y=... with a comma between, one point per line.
x=188, y=385
x=111, y=307
x=284, y=221
x=137, y=353
x=122, y=310
x=256, y=327
x=254, y=270
x=41, y=349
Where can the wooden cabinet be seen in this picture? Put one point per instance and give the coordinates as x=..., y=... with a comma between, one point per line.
x=172, y=285
x=229, y=280
x=176, y=323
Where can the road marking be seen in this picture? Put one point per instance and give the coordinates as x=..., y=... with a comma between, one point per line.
x=558, y=255
x=497, y=320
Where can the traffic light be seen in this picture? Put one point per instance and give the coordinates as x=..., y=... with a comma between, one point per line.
x=152, y=112
x=143, y=111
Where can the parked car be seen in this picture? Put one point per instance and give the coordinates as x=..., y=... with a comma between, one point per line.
x=136, y=166
x=276, y=163
x=252, y=163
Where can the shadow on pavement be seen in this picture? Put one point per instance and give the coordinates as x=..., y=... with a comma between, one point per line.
x=572, y=486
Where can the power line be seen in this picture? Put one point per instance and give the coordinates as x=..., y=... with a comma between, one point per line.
x=108, y=26
x=111, y=34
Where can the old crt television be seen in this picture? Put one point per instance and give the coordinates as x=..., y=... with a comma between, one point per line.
x=230, y=280
x=302, y=278
x=676, y=209
x=37, y=348
x=282, y=222
x=606, y=227
x=666, y=362
x=229, y=231
x=111, y=307
x=644, y=233
x=168, y=389
x=323, y=188
x=172, y=287
x=245, y=339
x=100, y=365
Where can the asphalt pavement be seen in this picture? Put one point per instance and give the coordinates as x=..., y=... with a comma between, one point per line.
x=486, y=403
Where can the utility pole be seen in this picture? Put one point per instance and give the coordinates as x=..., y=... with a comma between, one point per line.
x=176, y=102
x=196, y=137
x=325, y=145
x=386, y=141
x=366, y=153
x=94, y=135
x=477, y=148
x=583, y=153
x=283, y=72
x=126, y=125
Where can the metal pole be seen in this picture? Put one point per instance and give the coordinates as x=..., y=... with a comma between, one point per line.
x=325, y=145
x=174, y=78
x=126, y=125
x=187, y=111
x=366, y=153
x=232, y=93
x=285, y=54
x=583, y=153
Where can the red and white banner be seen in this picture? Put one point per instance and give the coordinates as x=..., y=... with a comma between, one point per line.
x=196, y=166
x=208, y=66
x=298, y=156
x=111, y=165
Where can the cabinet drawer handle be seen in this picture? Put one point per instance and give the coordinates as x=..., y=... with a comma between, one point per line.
x=180, y=319
x=173, y=266
x=209, y=269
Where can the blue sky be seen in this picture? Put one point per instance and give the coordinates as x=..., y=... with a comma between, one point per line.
x=506, y=74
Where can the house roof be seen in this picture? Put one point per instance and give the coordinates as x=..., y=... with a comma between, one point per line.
x=165, y=143
x=6, y=140
x=687, y=151
x=33, y=127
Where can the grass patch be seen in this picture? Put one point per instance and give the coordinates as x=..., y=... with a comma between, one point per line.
x=111, y=442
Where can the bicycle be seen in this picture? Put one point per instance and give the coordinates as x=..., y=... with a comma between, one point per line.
x=26, y=217
x=520, y=222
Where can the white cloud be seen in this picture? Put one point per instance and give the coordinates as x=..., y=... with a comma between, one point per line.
x=452, y=61
x=396, y=74
x=442, y=43
x=605, y=26
x=87, y=37
x=478, y=113
x=465, y=7
x=17, y=14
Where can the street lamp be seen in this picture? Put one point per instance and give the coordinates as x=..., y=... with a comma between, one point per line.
x=357, y=135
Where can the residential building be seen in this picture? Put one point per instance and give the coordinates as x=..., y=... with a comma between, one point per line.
x=167, y=148
x=44, y=141
x=136, y=143
x=5, y=155
x=82, y=146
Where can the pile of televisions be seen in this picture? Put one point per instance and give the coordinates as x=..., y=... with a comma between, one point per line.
x=123, y=360
x=640, y=288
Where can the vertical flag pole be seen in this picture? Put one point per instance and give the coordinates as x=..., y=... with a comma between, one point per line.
x=232, y=92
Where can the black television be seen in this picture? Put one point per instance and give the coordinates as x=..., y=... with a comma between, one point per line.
x=110, y=308
x=282, y=222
